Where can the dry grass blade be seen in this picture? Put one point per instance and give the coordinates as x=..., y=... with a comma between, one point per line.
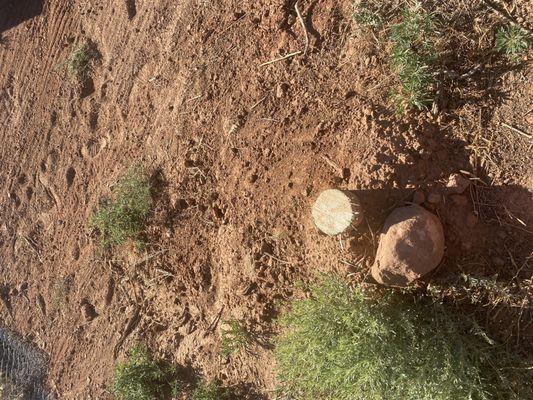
x=517, y=130
x=281, y=58
x=302, y=22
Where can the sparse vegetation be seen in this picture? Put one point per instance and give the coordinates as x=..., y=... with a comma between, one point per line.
x=141, y=377
x=412, y=56
x=209, y=391
x=60, y=293
x=234, y=338
x=484, y=291
x=123, y=217
x=512, y=41
x=365, y=16
x=349, y=344
x=78, y=62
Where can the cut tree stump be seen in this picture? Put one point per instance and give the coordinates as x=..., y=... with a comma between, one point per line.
x=336, y=211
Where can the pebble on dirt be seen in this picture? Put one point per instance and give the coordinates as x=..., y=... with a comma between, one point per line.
x=457, y=183
x=411, y=245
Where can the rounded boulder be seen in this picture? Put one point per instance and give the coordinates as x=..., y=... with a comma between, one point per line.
x=411, y=245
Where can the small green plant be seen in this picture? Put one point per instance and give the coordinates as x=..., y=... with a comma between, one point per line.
x=478, y=290
x=234, y=338
x=60, y=293
x=123, y=217
x=512, y=41
x=209, y=391
x=412, y=56
x=344, y=344
x=78, y=62
x=141, y=377
x=365, y=16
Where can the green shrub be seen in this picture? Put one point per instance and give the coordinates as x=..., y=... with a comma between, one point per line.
x=78, y=62
x=209, y=391
x=365, y=16
x=513, y=41
x=412, y=56
x=234, y=338
x=141, y=377
x=123, y=217
x=344, y=344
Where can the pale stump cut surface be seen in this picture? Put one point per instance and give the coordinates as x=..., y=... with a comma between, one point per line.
x=336, y=211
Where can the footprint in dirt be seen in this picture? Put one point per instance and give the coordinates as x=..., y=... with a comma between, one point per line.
x=131, y=7
x=87, y=87
x=93, y=147
x=93, y=119
x=70, y=175
x=50, y=163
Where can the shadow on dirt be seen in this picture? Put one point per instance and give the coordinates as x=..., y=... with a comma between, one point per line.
x=14, y=12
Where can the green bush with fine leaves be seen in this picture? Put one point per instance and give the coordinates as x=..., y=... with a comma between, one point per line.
x=344, y=344
x=123, y=216
x=141, y=377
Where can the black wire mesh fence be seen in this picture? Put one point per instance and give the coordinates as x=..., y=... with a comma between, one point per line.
x=23, y=369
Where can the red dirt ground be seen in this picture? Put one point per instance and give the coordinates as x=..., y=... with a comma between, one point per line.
x=237, y=153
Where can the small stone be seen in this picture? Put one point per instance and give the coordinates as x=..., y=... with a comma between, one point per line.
x=457, y=183
x=459, y=200
x=411, y=245
x=434, y=198
x=471, y=220
x=419, y=197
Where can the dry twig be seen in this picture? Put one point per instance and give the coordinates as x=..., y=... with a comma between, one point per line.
x=302, y=22
x=281, y=58
x=498, y=10
x=517, y=130
x=277, y=259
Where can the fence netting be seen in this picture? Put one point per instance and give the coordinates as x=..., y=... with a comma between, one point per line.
x=23, y=369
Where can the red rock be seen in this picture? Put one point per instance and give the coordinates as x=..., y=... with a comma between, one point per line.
x=457, y=183
x=411, y=245
x=419, y=197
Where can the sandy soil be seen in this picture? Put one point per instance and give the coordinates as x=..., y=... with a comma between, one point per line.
x=237, y=153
